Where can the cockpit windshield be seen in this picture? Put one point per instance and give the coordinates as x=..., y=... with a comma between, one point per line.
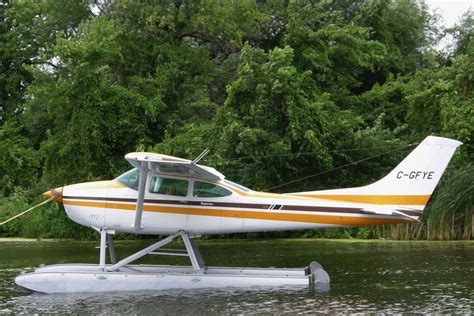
x=131, y=178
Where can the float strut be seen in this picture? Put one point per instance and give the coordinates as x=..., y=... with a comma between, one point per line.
x=110, y=244
x=191, y=248
x=142, y=253
x=103, y=235
x=193, y=252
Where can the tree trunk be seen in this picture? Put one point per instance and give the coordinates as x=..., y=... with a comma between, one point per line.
x=465, y=90
x=472, y=226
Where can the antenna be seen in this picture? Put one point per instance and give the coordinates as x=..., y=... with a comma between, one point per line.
x=195, y=161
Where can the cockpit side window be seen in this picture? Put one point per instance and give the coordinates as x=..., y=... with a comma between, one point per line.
x=205, y=189
x=131, y=178
x=168, y=186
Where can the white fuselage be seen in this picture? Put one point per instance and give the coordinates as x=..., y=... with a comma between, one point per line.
x=110, y=205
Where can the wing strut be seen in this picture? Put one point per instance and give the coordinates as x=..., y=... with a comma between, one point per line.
x=141, y=194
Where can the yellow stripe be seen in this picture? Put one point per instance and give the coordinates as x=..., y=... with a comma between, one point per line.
x=304, y=218
x=109, y=184
x=234, y=189
x=375, y=199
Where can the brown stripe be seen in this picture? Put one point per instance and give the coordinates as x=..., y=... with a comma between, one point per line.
x=224, y=204
x=99, y=198
x=321, y=209
x=173, y=202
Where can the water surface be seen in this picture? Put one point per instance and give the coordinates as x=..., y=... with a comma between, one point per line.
x=386, y=277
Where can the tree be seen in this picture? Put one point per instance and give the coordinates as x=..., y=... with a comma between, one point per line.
x=277, y=90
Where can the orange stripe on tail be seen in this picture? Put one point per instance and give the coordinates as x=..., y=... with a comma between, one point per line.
x=374, y=199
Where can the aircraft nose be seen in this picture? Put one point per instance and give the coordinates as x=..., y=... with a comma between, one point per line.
x=56, y=193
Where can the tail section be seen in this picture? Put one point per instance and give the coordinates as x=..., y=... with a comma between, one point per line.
x=408, y=186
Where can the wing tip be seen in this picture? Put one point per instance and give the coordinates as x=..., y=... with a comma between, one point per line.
x=147, y=156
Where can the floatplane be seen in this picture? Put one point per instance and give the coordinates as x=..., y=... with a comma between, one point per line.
x=179, y=198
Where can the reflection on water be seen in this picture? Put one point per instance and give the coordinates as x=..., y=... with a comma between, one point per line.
x=383, y=277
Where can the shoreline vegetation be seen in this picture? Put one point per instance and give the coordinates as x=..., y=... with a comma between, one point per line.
x=233, y=240
x=276, y=90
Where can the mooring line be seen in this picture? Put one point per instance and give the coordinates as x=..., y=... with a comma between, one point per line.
x=312, y=152
x=30, y=209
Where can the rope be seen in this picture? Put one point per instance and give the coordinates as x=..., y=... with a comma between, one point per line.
x=340, y=167
x=309, y=153
x=30, y=209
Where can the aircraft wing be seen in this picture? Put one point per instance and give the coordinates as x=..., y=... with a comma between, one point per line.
x=169, y=165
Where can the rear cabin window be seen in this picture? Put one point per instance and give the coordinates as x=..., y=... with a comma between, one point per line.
x=205, y=189
x=168, y=186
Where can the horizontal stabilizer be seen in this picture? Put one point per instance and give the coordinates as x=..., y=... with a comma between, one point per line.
x=392, y=212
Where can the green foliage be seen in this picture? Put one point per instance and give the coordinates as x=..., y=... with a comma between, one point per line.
x=28, y=30
x=336, y=51
x=19, y=164
x=268, y=111
x=313, y=85
x=405, y=27
x=8, y=208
